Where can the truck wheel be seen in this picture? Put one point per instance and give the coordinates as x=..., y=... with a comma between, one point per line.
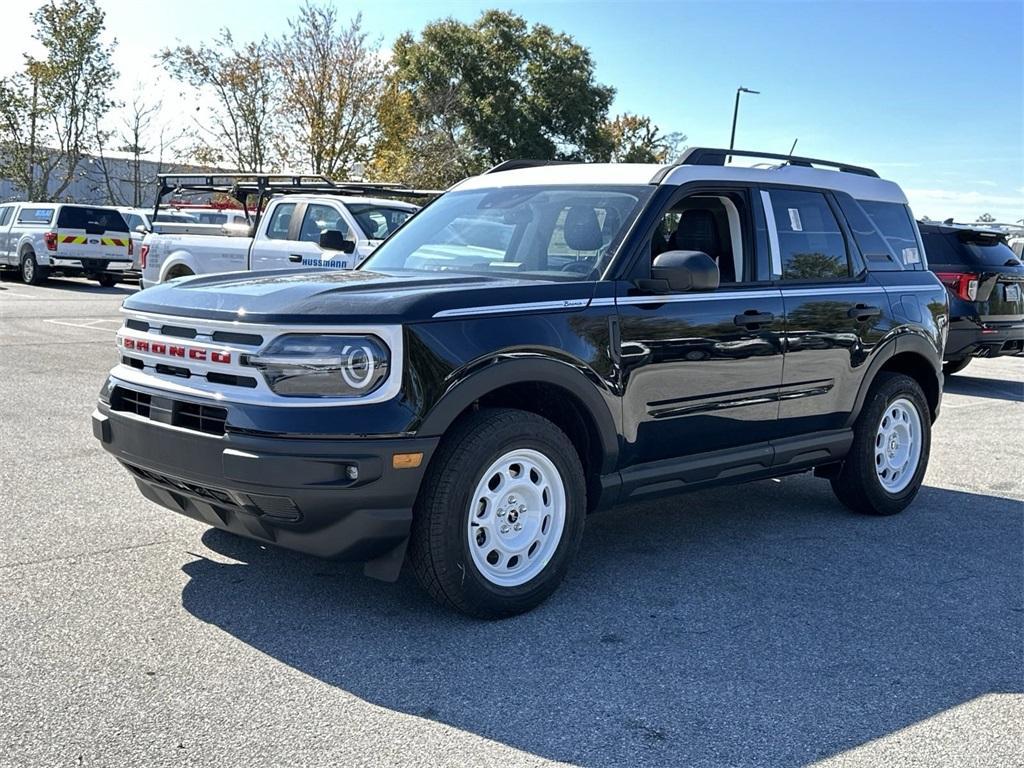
x=108, y=281
x=955, y=366
x=892, y=440
x=31, y=272
x=500, y=515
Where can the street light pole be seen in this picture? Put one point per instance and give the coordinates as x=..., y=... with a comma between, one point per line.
x=735, y=114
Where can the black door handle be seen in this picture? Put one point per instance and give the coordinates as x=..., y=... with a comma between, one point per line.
x=863, y=312
x=752, y=317
x=295, y=257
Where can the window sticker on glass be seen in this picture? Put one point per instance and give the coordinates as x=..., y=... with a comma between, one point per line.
x=794, y=220
x=911, y=256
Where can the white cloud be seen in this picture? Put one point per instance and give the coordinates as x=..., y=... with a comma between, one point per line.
x=965, y=205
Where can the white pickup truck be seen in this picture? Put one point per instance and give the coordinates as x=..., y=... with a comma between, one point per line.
x=41, y=239
x=287, y=235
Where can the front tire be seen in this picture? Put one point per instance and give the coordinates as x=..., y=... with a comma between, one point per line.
x=31, y=272
x=889, y=456
x=500, y=515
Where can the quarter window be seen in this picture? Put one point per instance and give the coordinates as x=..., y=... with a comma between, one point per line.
x=811, y=244
x=894, y=222
x=280, y=221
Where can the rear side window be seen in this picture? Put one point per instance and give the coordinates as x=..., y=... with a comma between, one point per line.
x=811, y=244
x=280, y=221
x=97, y=219
x=35, y=215
x=894, y=223
x=5, y=215
x=967, y=248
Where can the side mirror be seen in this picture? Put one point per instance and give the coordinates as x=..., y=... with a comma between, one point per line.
x=141, y=229
x=334, y=240
x=686, y=271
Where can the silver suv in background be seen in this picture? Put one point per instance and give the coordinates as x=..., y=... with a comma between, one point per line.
x=40, y=239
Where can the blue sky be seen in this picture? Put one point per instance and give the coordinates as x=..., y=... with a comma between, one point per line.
x=930, y=94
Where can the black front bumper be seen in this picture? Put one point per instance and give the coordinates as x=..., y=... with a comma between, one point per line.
x=297, y=493
x=974, y=338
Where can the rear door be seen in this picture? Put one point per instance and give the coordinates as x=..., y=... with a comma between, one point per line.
x=835, y=312
x=92, y=234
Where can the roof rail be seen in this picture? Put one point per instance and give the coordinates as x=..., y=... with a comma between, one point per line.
x=241, y=185
x=709, y=156
x=515, y=165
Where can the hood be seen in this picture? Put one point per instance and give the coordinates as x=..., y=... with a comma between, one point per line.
x=359, y=296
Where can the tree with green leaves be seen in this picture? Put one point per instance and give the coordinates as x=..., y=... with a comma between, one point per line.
x=497, y=89
x=986, y=218
x=636, y=139
x=332, y=79
x=238, y=92
x=49, y=111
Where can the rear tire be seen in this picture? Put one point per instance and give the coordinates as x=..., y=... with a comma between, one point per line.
x=108, y=281
x=31, y=272
x=955, y=366
x=889, y=456
x=500, y=515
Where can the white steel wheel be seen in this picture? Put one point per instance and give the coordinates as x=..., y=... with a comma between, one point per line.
x=516, y=517
x=898, y=444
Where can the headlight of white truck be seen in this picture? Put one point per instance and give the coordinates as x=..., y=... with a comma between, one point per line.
x=300, y=365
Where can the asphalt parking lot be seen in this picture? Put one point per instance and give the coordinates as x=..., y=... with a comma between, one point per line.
x=757, y=625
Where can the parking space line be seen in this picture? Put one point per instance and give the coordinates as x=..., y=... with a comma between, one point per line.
x=88, y=326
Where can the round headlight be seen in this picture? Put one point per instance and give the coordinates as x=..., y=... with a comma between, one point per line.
x=300, y=365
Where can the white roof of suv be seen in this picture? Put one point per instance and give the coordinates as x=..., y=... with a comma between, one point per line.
x=860, y=183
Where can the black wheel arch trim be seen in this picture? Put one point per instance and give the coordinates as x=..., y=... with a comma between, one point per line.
x=902, y=343
x=504, y=371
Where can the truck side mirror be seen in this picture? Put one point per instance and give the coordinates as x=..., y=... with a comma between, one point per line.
x=334, y=240
x=141, y=229
x=686, y=271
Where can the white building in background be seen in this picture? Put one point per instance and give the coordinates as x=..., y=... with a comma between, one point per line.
x=115, y=178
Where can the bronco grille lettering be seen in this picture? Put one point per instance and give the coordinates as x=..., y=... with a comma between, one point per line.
x=177, y=350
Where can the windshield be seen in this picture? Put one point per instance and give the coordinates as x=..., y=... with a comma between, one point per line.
x=555, y=233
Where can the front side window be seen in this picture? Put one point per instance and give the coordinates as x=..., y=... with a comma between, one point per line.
x=280, y=221
x=319, y=219
x=710, y=223
x=811, y=244
x=548, y=233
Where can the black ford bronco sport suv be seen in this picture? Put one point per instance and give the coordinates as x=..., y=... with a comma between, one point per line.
x=542, y=341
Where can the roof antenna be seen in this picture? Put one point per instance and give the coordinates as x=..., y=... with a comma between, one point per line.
x=791, y=150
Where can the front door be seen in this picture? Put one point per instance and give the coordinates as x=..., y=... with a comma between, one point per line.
x=701, y=371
